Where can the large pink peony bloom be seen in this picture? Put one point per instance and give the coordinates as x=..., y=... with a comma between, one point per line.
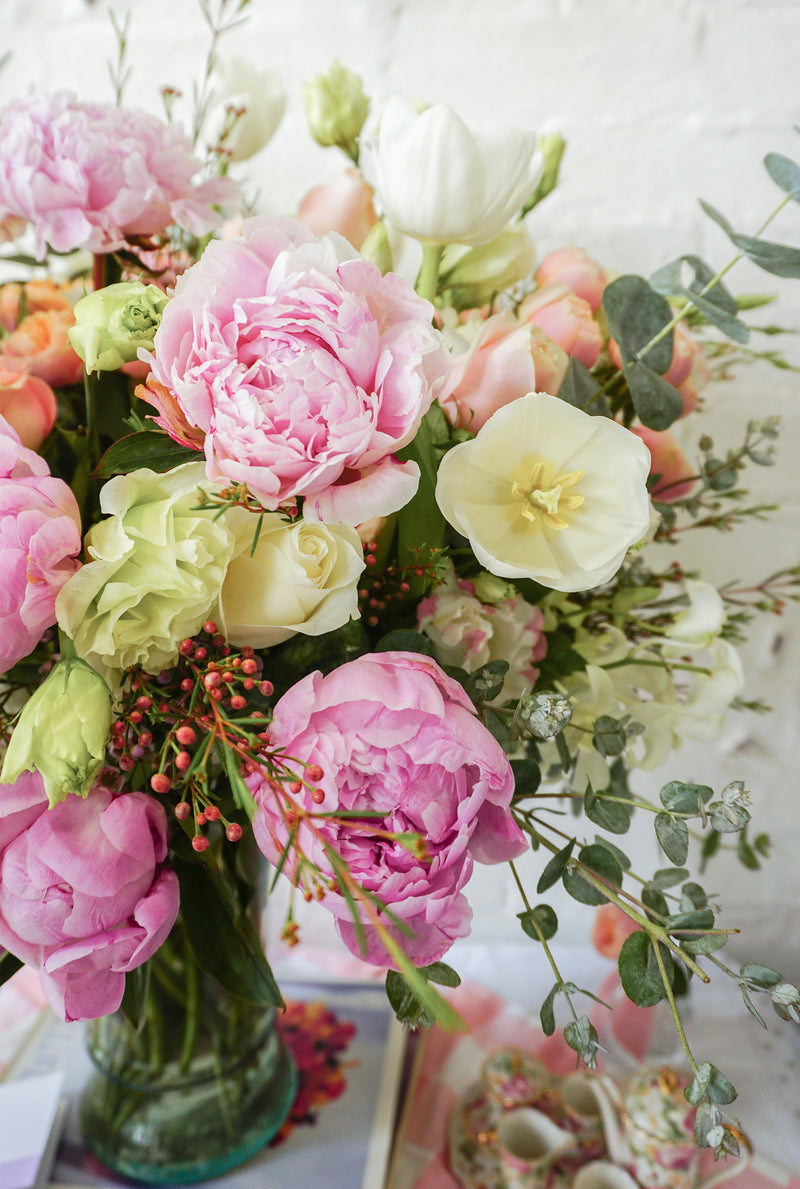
x=394, y=734
x=89, y=175
x=304, y=367
x=84, y=895
x=40, y=539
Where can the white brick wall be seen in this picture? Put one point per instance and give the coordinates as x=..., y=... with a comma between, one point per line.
x=661, y=101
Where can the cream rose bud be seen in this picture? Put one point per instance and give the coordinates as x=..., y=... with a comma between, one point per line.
x=545, y=491
x=441, y=183
x=300, y=578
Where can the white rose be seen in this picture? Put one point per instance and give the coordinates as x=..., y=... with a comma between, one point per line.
x=545, y=491
x=301, y=578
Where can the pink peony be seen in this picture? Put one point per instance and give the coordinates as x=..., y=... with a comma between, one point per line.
x=668, y=462
x=567, y=319
x=506, y=360
x=27, y=403
x=93, y=176
x=393, y=734
x=304, y=367
x=343, y=204
x=84, y=895
x=572, y=267
x=40, y=539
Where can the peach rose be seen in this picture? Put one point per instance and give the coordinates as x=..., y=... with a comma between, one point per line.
x=39, y=295
x=28, y=405
x=39, y=345
x=344, y=204
x=689, y=371
x=567, y=319
x=611, y=927
x=572, y=267
x=668, y=462
x=507, y=359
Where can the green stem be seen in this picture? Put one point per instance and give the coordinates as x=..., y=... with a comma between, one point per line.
x=673, y=1007
x=540, y=935
x=428, y=279
x=192, y=1016
x=89, y=389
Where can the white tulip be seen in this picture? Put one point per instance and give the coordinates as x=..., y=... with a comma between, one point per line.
x=441, y=183
x=300, y=578
x=545, y=491
x=259, y=93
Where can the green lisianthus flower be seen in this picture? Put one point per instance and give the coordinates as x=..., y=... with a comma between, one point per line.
x=111, y=324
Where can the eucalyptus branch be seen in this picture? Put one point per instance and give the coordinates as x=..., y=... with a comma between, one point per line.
x=676, y=1016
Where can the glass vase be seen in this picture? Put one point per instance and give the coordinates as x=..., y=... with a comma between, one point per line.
x=199, y=1087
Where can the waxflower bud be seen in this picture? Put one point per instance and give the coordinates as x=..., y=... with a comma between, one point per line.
x=336, y=106
x=111, y=324
x=62, y=731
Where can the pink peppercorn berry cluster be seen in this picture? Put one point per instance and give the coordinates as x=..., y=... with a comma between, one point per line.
x=391, y=585
x=208, y=692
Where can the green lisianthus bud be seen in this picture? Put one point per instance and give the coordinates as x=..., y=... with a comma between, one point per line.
x=491, y=589
x=111, y=324
x=336, y=107
x=62, y=731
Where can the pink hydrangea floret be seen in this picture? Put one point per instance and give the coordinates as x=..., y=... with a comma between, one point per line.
x=40, y=539
x=84, y=893
x=305, y=368
x=393, y=735
x=89, y=175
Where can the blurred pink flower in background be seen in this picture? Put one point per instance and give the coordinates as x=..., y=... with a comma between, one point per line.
x=393, y=734
x=39, y=344
x=567, y=319
x=27, y=403
x=40, y=539
x=611, y=927
x=343, y=204
x=84, y=895
x=668, y=462
x=572, y=267
x=92, y=176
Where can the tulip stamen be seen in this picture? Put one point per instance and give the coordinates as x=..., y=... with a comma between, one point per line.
x=545, y=497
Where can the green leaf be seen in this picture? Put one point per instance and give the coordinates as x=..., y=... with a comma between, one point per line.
x=711, y=844
x=778, y=259
x=527, y=778
x=639, y=971
x=636, y=314
x=496, y=725
x=784, y=173
x=554, y=870
x=9, y=964
x=608, y=815
x=733, y=327
x=581, y=1036
x=579, y=387
x=134, y=998
x=546, y=1012
x=156, y=451
x=619, y=855
x=655, y=902
x=760, y=977
x=693, y=896
x=746, y=855
x=405, y=640
x=561, y=658
x=667, y=877
x=542, y=916
x=717, y=216
x=224, y=943
x=678, y=797
x=698, y=918
x=709, y=1083
x=708, y=943
x=441, y=973
x=657, y=403
x=486, y=683
x=673, y=835
x=420, y=521
x=599, y=860
x=404, y=1003
x=669, y=282
x=609, y=735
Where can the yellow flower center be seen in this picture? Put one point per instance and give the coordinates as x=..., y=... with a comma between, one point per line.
x=546, y=497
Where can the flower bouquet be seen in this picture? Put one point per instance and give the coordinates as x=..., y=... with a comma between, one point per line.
x=326, y=538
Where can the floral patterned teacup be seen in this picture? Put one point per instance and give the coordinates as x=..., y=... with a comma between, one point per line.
x=528, y=1143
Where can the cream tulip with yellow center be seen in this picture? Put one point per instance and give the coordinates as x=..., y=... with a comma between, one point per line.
x=545, y=491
